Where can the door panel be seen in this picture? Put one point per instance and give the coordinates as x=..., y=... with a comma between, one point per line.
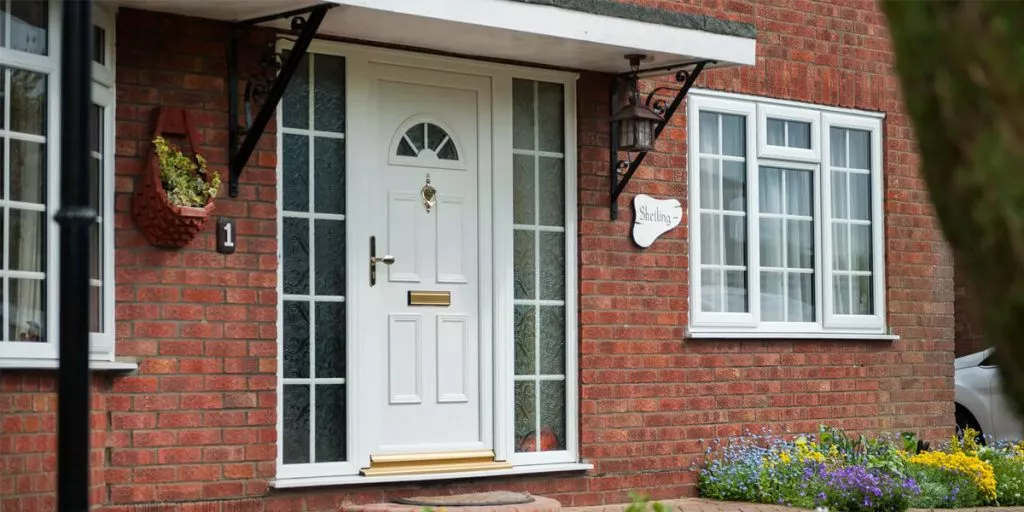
x=423, y=363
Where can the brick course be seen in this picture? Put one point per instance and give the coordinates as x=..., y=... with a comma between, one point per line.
x=198, y=421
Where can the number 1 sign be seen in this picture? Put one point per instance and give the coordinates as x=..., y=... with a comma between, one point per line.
x=226, y=235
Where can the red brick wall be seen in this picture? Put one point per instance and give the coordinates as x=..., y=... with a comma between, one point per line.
x=197, y=423
x=969, y=335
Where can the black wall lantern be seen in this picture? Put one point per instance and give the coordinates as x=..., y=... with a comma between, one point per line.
x=636, y=121
x=636, y=124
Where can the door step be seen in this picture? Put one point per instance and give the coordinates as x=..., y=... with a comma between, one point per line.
x=476, y=502
x=441, y=462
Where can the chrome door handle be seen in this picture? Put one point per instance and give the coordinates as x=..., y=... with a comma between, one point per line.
x=387, y=259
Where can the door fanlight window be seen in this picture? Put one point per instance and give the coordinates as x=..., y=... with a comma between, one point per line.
x=425, y=143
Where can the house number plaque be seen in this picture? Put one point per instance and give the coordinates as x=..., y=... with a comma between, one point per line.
x=226, y=235
x=653, y=218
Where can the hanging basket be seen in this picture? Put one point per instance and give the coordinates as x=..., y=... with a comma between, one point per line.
x=166, y=224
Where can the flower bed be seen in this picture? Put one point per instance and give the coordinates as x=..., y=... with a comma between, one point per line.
x=833, y=470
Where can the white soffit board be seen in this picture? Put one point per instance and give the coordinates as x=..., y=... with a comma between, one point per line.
x=514, y=30
x=532, y=33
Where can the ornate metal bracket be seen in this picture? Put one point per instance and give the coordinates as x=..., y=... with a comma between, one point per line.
x=263, y=90
x=625, y=169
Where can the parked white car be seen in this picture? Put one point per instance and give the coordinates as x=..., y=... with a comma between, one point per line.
x=980, y=403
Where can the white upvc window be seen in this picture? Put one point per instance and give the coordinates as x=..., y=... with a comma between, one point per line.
x=786, y=223
x=30, y=183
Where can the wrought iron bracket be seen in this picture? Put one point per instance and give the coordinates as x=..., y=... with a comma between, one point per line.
x=623, y=170
x=263, y=90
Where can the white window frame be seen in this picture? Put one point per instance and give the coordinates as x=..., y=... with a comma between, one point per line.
x=756, y=111
x=786, y=113
x=42, y=355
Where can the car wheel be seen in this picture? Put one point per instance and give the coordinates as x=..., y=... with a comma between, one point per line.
x=964, y=420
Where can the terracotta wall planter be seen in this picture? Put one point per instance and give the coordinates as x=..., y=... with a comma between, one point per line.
x=164, y=223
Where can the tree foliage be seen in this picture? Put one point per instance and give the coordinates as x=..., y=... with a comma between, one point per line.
x=961, y=68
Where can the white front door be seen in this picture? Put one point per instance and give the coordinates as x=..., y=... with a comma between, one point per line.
x=423, y=355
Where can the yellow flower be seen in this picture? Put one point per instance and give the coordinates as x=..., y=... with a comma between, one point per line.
x=980, y=471
x=784, y=457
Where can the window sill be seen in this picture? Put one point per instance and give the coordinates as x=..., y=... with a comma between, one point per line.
x=123, y=366
x=321, y=481
x=717, y=334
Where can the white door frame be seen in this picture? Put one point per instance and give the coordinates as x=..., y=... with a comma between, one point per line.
x=497, y=389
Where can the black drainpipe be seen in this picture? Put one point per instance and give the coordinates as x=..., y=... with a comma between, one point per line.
x=74, y=217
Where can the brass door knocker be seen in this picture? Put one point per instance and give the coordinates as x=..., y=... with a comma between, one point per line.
x=429, y=195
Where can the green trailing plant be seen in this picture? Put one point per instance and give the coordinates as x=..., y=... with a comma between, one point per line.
x=639, y=503
x=185, y=177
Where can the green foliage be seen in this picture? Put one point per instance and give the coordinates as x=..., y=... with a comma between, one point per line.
x=185, y=178
x=943, y=488
x=639, y=503
x=959, y=67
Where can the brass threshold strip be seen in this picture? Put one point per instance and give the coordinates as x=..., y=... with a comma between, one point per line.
x=440, y=462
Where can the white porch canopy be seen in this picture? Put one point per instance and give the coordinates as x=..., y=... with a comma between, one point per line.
x=591, y=35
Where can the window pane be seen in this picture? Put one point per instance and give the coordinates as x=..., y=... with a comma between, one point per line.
x=552, y=415
x=776, y=132
x=524, y=263
x=860, y=196
x=860, y=247
x=329, y=93
x=837, y=145
x=841, y=294
x=329, y=175
x=330, y=257
x=524, y=190
x=736, y=290
x=95, y=254
x=525, y=319
x=550, y=116
x=296, y=339
x=526, y=416
x=552, y=340
x=95, y=309
x=710, y=184
x=709, y=133
x=295, y=403
x=330, y=423
x=295, y=172
x=799, y=134
x=734, y=184
x=840, y=197
x=859, y=149
x=27, y=309
x=295, y=265
x=28, y=29
x=552, y=191
x=295, y=102
x=862, y=299
x=799, y=244
x=773, y=298
x=552, y=266
x=800, y=291
x=771, y=243
x=770, y=190
x=840, y=247
x=28, y=241
x=330, y=340
x=523, y=122
x=28, y=172
x=711, y=290
x=711, y=239
x=799, y=193
x=735, y=240
x=734, y=140
x=28, y=102
x=99, y=45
